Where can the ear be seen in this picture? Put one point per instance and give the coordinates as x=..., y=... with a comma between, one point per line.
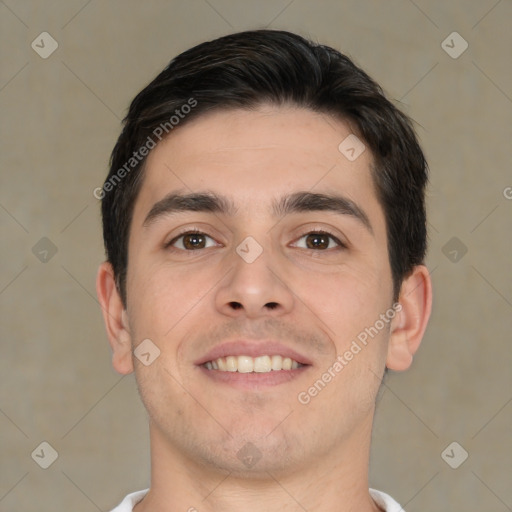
x=116, y=319
x=409, y=324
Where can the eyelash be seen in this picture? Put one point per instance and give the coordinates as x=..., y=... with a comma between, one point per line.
x=169, y=244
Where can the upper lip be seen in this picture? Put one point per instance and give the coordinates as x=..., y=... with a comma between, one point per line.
x=253, y=349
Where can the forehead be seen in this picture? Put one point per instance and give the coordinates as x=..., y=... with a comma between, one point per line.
x=299, y=136
x=256, y=156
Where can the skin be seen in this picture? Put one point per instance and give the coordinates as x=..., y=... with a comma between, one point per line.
x=313, y=456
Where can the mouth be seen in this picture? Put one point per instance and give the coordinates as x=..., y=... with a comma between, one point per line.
x=248, y=364
x=252, y=365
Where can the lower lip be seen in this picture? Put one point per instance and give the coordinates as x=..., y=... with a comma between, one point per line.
x=254, y=380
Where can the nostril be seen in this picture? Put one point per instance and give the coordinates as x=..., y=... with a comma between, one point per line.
x=270, y=305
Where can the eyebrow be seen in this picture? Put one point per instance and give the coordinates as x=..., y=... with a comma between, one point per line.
x=297, y=202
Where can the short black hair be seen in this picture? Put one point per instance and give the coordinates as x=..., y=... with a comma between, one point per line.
x=243, y=71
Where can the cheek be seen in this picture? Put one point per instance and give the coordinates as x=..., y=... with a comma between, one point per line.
x=161, y=296
x=349, y=299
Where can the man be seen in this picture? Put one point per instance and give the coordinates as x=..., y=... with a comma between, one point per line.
x=265, y=231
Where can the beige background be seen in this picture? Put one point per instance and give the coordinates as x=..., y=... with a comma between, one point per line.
x=60, y=119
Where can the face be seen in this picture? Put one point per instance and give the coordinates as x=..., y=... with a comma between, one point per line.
x=251, y=273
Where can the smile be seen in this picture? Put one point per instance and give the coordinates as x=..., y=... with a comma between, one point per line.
x=248, y=364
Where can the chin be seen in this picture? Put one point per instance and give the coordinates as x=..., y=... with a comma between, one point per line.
x=249, y=454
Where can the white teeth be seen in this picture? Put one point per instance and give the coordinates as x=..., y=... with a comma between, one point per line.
x=262, y=364
x=247, y=364
x=277, y=362
x=231, y=364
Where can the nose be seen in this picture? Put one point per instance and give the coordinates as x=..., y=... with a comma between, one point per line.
x=254, y=288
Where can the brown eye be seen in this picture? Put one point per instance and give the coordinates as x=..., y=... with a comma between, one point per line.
x=320, y=240
x=194, y=241
x=317, y=241
x=190, y=241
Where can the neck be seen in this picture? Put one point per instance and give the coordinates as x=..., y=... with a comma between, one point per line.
x=336, y=481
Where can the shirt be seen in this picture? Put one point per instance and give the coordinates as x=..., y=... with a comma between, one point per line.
x=382, y=499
